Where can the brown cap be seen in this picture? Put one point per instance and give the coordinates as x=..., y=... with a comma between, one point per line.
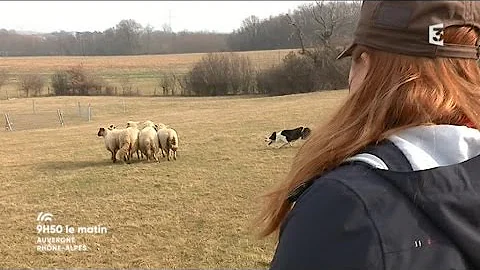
x=415, y=27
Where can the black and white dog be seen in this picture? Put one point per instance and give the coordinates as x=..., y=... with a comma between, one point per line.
x=288, y=136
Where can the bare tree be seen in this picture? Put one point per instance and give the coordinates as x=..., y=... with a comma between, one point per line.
x=166, y=28
x=169, y=82
x=31, y=83
x=334, y=16
x=129, y=31
x=298, y=32
x=126, y=85
x=148, y=37
x=331, y=19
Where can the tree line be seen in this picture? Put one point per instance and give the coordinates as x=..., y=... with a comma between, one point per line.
x=307, y=25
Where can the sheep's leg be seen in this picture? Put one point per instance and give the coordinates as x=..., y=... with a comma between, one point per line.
x=154, y=154
x=160, y=146
x=114, y=156
x=174, y=154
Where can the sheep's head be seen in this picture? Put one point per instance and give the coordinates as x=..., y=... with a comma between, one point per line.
x=148, y=123
x=132, y=124
x=101, y=132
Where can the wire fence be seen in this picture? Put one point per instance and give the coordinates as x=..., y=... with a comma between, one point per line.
x=37, y=117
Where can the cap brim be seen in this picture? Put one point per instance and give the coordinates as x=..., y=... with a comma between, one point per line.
x=347, y=52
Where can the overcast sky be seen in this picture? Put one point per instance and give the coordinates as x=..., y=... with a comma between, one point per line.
x=219, y=16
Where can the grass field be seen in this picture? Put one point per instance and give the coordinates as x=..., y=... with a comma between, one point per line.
x=189, y=213
x=143, y=70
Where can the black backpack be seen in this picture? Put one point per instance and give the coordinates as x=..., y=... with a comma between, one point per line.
x=387, y=151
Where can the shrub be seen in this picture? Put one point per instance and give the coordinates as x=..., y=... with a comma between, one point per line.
x=60, y=83
x=77, y=81
x=315, y=70
x=221, y=74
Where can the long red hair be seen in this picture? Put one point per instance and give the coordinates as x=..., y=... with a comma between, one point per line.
x=399, y=92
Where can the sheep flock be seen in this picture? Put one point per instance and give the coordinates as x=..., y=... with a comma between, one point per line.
x=147, y=140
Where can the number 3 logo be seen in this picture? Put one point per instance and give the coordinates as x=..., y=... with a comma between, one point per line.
x=435, y=34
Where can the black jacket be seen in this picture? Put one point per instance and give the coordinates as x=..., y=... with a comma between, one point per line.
x=360, y=217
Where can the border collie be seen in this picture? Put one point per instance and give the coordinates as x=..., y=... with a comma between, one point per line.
x=288, y=136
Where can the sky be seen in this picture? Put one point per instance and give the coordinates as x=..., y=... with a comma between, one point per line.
x=218, y=16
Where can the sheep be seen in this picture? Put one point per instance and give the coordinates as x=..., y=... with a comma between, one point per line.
x=132, y=127
x=148, y=141
x=134, y=124
x=120, y=142
x=154, y=125
x=145, y=124
x=133, y=134
x=168, y=140
x=112, y=140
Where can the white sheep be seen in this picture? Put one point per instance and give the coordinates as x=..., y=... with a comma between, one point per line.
x=148, y=141
x=133, y=133
x=168, y=140
x=120, y=142
x=112, y=140
x=132, y=126
x=157, y=126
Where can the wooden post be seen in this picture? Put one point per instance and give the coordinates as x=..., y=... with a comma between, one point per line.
x=33, y=106
x=155, y=91
x=89, y=112
x=6, y=92
x=124, y=106
x=8, y=124
x=79, y=109
x=60, y=117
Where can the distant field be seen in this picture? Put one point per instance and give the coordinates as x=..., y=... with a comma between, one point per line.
x=189, y=213
x=142, y=70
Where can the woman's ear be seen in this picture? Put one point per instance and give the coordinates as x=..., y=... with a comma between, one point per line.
x=358, y=71
x=365, y=57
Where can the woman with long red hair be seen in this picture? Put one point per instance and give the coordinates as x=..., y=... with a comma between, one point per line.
x=392, y=180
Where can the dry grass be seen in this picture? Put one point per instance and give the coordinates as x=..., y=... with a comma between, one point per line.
x=143, y=70
x=191, y=213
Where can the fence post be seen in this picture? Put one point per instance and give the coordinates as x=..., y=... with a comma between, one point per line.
x=8, y=124
x=89, y=112
x=6, y=92
x=124, y=106
x=79, y=109
x=60, y=117
x=33, y=106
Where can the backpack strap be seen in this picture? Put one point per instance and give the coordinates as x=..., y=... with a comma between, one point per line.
x=385, y=156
